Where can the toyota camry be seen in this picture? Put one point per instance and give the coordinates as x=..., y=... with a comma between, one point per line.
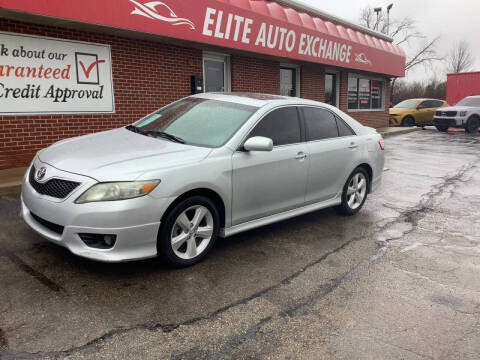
x=204, y=167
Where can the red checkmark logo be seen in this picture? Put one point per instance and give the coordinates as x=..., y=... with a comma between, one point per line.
x=88, y=70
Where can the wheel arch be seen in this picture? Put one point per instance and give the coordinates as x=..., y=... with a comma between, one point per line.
x=475, y=115
x=369, y=171
x=208, y=193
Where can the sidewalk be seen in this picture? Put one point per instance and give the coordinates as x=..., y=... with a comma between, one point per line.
x=11, y=179
x=390, y=131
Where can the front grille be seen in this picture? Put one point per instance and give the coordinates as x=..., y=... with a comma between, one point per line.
x=55, y=187
x=49, y=225
x=446, y=113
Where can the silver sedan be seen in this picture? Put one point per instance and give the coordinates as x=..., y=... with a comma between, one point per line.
x=203, y=167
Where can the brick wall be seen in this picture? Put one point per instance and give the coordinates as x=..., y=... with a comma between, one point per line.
x=374, y=119
x=312, y=82
x=146, y=76
x=255, y=75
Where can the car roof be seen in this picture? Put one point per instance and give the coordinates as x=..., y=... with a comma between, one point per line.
x=423, y=99
x=255, y=99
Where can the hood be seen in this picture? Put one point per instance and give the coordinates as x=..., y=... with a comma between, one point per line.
x=456, y=108
x=119, y=154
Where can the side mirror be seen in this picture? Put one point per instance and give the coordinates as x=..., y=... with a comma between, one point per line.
x=258, y=143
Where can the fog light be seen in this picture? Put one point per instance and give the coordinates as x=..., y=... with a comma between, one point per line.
x=99, y=241
x=109, y=239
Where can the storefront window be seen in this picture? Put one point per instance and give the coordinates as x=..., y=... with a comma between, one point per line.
x=377, y=94
x=352, y=93
x=365, y=94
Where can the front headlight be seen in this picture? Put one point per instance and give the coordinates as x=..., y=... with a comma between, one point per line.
x=117, y=191
x=463, y=113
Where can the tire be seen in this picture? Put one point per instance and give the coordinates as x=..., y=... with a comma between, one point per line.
x=442, y=128
x=472, y=125
x=347, y=207
x=194, y=238
x=408, y=121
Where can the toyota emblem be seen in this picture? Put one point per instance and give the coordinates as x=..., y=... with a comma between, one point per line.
x=40, y=173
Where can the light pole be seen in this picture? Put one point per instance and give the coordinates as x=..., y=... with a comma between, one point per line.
x=377, y=10
x=389, y=7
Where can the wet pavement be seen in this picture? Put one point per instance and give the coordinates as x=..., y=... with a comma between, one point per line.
x=399, y=280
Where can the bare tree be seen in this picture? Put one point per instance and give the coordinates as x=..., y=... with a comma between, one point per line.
x=460, y=58
x=403, y=31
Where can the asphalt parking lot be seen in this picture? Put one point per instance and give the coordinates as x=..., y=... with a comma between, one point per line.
x=398, y=281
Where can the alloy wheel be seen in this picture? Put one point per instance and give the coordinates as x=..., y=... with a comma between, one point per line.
x=357, y=189
x=192, y=232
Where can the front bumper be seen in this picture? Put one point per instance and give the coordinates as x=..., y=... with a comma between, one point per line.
x=394, y=120
x=135, y=222
x=450, y=122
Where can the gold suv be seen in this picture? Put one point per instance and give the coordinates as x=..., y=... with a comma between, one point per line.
x=415, y=112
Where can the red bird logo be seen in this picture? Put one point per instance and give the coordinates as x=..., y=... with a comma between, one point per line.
x=152, y=11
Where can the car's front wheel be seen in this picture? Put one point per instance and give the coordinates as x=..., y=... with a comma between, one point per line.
x=408, y=121
x=189, y=231
x=354, y=192
x=472, y=125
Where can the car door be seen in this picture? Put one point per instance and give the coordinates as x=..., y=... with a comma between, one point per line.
x=266, y=183
x=332, y=146
x=426, y=110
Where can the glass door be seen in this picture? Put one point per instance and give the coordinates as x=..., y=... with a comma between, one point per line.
x=215, y=73
x=331, y=89
x=288, y=81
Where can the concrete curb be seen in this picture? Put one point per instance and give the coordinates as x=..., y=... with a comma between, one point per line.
x=11, y=180
x=10, y=189
x=397, y=131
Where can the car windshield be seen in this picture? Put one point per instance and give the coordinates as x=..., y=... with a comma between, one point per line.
x=406, y=104
x=196, y=121
x=469, y=101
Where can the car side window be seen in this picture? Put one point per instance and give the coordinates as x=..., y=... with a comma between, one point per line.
x=320, y=124
x=423, y=105
x=437, y=103
x=343, y=128
x=281, y=125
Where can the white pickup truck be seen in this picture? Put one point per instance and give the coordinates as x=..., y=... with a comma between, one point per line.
x=465, y=114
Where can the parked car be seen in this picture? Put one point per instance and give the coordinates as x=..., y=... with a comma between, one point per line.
x=464, y=114
x=415, y=112
x=205, y=166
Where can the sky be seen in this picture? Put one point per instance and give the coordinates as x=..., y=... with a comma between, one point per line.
x=452, y=20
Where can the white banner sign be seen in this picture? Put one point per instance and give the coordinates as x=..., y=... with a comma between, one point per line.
x=41, y=75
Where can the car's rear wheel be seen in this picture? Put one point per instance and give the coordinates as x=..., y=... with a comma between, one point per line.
x=354, y=192
x=472, y=125
x=408, y=121
x=441, y=128
x=189, y=231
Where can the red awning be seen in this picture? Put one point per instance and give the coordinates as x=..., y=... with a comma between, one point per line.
x=259, y=26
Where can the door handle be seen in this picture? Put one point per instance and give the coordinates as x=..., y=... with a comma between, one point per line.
x=353, y=146
x=301, y=156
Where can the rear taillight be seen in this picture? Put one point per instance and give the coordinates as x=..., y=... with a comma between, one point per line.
x=381, y=143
